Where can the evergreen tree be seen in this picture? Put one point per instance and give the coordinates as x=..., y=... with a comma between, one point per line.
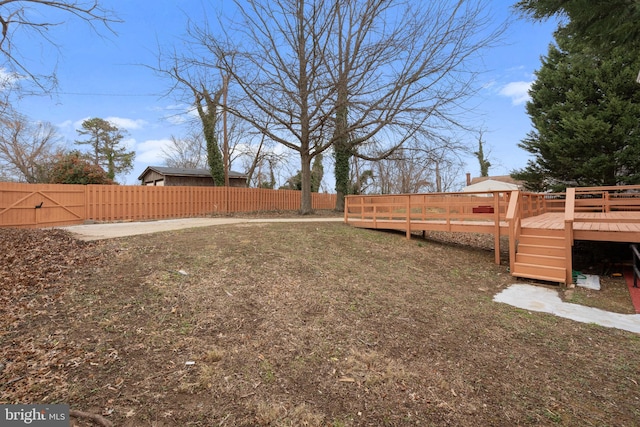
x=600, y=23
x=584, y=108
x=106, y=149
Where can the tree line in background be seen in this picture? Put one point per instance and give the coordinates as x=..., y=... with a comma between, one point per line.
x=375, y=84
x=30, y=152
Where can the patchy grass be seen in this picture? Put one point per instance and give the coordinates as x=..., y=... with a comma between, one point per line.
x=318, y=325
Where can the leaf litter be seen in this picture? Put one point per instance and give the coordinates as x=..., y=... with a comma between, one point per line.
x=305, y=324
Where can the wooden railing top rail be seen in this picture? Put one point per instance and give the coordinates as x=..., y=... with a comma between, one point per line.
x=455, y=193
x=608, y=189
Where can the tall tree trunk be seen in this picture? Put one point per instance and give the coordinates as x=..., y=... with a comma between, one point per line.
x=341, y=148
x=342, y=153
x=305, y=202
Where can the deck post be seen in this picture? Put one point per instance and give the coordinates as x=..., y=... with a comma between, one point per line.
x=346, y=209
x=513, y=220
x=569, y=210
x=496, y=229
x=408, y=213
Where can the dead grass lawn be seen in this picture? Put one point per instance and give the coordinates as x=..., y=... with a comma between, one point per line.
x=315, y=325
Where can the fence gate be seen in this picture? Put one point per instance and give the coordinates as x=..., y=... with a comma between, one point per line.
x=25, y=205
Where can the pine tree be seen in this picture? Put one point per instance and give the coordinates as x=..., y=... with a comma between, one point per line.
x=106, y=150
x=584, y=108
x=600, y=23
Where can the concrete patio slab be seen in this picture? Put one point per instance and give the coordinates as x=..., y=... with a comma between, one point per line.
x=123, y=229
x=537, y=298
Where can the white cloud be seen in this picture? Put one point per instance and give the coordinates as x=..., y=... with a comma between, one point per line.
x=517, y=91
x=129, y=143
x=149, y=152
x=120, y=122
x=128, y=124
x=67, y=124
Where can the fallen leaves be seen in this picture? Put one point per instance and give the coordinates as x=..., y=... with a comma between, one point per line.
x=36, y=266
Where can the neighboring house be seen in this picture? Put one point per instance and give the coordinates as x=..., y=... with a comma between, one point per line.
x=172, y=177
x=492, y=183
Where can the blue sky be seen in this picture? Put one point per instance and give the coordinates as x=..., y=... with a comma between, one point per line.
x=103, y=75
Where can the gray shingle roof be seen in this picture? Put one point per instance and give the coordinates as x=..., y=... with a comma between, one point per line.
x=164, y=170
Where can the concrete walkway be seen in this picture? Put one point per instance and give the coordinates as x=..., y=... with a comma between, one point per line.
x=537, y=298
x=121, y=229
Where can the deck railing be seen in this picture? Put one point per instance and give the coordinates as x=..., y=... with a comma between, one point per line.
x=607, y=199
x=407, y=211
x=445, y=207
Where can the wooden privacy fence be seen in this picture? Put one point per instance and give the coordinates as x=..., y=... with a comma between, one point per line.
x=48, y=205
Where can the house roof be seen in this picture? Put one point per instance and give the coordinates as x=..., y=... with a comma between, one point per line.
x=500, y=178
x=167, y=171
x=490, y=185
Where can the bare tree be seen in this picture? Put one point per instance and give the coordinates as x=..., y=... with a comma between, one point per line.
x=261, y=162
x=29, y=17
x=204, y=92
x=483, y=161
x=279, y=71
x=322, y=73
x=189, y=152
x=401, y=68
x=26, y=148
x=419, y=166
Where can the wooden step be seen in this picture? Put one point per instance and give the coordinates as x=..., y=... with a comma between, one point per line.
x=541, y=232
x=552, y=251
x=539, y=272
x=550, y=241
x=543, y=260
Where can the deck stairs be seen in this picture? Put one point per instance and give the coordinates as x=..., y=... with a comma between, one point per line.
x=540, y=255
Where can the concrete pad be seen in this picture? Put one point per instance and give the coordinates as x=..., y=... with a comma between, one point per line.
x=122, y=229
x=537, y=298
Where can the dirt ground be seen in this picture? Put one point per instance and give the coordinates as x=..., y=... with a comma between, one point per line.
x=315, y=324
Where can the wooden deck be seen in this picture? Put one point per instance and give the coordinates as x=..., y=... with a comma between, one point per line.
x=595, y=226
x=542, y=228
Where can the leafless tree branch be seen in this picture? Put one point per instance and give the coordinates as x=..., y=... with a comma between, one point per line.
x=29, y=16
